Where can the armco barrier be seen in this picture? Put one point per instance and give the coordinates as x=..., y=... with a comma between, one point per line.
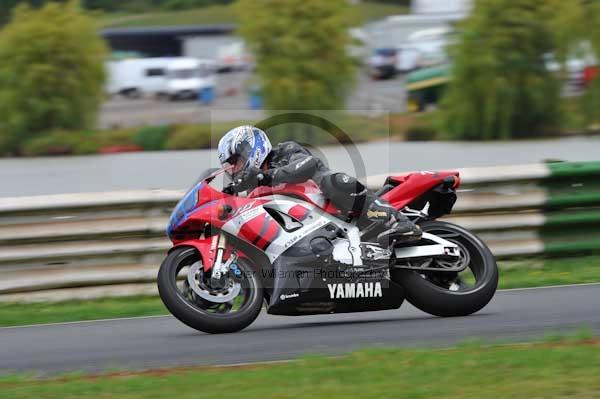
x=98, y=244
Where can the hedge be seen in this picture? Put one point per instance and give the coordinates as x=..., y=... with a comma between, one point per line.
x=200, y=136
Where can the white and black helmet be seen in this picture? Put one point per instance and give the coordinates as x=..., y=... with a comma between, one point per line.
x=246, y=146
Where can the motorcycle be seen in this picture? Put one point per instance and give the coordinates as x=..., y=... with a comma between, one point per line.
x=287, y=246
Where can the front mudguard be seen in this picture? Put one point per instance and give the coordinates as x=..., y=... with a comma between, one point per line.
x=207, y=248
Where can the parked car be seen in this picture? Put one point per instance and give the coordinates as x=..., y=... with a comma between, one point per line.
x=382, y=65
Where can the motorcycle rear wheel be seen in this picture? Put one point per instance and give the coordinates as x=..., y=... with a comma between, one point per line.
x=448, y=294
x=199, y=313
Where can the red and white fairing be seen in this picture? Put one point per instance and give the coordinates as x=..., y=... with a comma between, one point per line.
x=256, y=225
x=249, y=220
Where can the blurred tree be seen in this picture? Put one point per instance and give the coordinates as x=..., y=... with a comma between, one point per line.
x=566, y=21
x=5, y=8
x=591, y=99
x=51, y=74
x=501, y=87
x=301, y=51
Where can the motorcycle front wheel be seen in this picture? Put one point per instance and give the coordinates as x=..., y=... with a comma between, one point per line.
x=446, y=293
x=186, y=291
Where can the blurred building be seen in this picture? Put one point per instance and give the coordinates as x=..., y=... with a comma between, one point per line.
x=197, y=41
x=394, y=30
x=440, y=6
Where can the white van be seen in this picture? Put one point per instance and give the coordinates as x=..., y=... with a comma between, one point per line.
x=175, y=77
x=185, y=77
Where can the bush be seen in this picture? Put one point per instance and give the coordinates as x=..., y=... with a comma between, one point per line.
x=189, y=137
x=60, y=143
x=574, y=119
x=51, y=73
x=78, y=142
x=357, y=128
x=152, y=138
x=114, y=137
x=6, y=147
x=420, y=132
x=591, y=103
x=424, y=127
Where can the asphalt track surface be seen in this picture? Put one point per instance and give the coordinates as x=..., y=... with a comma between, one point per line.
x=156, y=342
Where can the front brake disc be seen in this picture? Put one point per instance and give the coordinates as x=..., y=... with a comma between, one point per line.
x=217, y=297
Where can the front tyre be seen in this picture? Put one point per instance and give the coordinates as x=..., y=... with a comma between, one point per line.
x=452, y=294
x=236, y=305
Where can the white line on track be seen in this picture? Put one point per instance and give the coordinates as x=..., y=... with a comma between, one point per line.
x=165, y=316
x=549, y=287
x=86, y=321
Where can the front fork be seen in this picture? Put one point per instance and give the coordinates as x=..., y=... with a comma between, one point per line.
x=220, y=268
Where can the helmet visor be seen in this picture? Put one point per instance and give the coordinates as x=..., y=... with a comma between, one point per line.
x=239, y=159
x=234, y=164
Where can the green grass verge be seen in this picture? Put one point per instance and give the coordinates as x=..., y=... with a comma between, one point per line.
x=552, y=370
x=17, y=314
x=358, y=15
x=513, y=274
x=554, y=271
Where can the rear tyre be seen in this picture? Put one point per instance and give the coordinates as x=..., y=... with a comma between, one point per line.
x=202, y=314
x=452, y=294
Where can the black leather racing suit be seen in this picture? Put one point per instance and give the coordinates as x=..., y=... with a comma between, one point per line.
x=289, y=162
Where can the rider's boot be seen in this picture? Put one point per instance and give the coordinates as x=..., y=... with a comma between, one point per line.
x=397, y=227
x=401, y=230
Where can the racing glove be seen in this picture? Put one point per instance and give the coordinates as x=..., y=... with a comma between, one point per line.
x=247, y=179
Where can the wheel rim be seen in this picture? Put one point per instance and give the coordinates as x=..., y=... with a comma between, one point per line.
x=469, y=279
x=187, y=294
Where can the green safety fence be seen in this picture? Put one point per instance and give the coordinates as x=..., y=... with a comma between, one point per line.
x=572, y=211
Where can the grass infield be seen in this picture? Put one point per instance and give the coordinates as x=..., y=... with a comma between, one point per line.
x=567, y=368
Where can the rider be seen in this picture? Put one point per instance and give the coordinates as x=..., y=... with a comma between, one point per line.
x=253, y=162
